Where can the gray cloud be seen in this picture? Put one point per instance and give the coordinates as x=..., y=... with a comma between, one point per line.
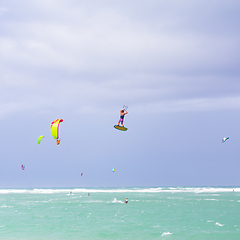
x=104, y=53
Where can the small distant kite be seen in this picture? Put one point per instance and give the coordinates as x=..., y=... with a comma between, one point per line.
x=81, y=174
x=40, y=138
x=23, y=167
x=113, y=169
x=225, y=139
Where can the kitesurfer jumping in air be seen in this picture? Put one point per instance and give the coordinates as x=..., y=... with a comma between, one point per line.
x=123, y=112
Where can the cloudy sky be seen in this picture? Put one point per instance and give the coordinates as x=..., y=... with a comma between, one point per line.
x=174, y=63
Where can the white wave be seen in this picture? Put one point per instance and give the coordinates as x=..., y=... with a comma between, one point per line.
x=166, y=233
x=116, y=201
x=34, y=191
x=123, y=190
x=219, y=224
x=211, y=199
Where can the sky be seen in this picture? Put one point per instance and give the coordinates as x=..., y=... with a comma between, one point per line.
x=175, y=64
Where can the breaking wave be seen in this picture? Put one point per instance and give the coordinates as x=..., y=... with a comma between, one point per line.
x=123, y=190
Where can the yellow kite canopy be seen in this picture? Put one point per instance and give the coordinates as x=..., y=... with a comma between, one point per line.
x=55, y=128
x=40, y=138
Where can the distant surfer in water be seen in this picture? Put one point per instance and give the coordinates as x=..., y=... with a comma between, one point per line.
x=126, y=200
x=123, y=112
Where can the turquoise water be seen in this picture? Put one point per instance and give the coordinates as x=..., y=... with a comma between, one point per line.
x=151, y=213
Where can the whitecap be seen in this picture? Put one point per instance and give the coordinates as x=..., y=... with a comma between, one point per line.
x=166, y=233
x=116, y=201
x=96, y=201
x=197, y=190
x=219, y=224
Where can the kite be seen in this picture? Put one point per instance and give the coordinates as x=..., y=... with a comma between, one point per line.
x=55, y=129
x=113, y=169
x=81, y=174
x=225, y=139
x=23, y=167
x=40, y=138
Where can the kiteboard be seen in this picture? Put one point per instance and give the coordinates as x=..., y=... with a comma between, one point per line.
x=120, y=128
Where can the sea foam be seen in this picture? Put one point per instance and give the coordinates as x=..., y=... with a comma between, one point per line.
x=166, y=233
x=120, y=190
x=219, y=224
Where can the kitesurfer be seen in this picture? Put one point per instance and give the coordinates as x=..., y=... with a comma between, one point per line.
x=126, y=200
x=123, y=112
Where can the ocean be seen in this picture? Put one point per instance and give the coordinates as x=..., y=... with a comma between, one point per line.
x=174, y=213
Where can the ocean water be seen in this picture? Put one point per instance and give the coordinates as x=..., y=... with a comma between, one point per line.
x=177, y=213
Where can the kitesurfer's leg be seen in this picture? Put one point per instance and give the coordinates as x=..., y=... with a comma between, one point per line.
x=120, y=121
